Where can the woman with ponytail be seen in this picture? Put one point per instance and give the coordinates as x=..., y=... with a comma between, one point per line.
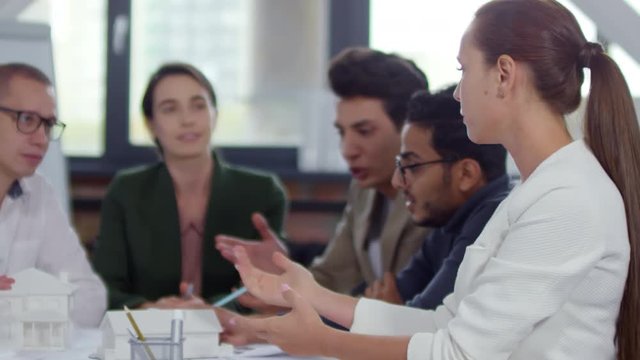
x=554, y=274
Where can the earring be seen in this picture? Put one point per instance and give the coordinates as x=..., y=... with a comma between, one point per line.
x=500, y=94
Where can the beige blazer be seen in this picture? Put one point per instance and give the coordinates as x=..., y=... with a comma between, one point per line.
x=345, y=263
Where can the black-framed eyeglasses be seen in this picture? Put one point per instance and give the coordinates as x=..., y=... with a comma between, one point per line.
x=411, y=167
x=29, y=122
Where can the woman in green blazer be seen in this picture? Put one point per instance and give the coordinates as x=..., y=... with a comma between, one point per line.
x=159, y=221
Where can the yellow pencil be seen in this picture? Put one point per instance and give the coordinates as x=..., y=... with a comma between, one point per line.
x=138, y=333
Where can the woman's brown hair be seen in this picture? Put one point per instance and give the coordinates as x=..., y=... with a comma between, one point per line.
x=546, y=36
x=170, y=69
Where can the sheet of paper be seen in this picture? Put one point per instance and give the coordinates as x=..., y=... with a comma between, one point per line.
x=257, y=350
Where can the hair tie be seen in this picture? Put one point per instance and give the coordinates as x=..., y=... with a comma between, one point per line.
x=589, y=50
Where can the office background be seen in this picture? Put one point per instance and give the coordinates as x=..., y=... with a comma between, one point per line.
x=267, y=60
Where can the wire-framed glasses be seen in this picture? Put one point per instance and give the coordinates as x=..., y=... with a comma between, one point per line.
x=403, y=169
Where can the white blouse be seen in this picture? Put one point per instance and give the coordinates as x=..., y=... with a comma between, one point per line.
x=544, y=280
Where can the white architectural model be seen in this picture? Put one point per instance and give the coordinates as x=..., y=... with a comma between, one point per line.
x=201, y=330
x=34, y=314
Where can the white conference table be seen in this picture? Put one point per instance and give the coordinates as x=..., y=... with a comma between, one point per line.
x=85, y=342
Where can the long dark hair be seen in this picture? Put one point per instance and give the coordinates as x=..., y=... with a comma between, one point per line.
x=546, y=36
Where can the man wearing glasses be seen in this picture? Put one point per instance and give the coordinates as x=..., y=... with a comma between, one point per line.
x=451, y=184
x=34, y=230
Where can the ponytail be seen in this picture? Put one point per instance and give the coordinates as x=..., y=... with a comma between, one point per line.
x=612, y=132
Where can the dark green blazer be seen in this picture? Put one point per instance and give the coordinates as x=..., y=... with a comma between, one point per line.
x=138, y=248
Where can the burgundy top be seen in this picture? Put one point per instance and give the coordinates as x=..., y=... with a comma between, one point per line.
x=192, y=234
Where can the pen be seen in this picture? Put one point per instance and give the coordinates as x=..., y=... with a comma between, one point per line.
x=139, y=333
x=229, y=298
x=189, y=293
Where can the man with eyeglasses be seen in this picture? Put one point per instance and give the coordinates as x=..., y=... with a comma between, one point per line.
x=34, y=230
x=451, y=184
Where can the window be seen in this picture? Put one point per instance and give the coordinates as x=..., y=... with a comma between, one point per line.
x=57, y=333
x=34, y=303
x=42, y=334
x=6, y=338
x=214, y=36
x=266, y=60
x=630, y=67
x=5, y=322
x=79, y=33
x=262, y=57
x=429, y=33
x=29, y=334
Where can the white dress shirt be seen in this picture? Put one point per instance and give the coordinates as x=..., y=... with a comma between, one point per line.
x=35, y=232
x=544, y=280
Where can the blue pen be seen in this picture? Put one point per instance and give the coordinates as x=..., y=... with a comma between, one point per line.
x=189, y=293
x=229, y=298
